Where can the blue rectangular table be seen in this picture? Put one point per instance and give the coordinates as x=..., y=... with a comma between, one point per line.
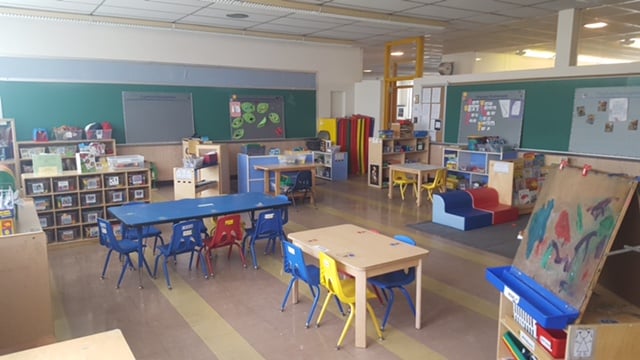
x=144, y=214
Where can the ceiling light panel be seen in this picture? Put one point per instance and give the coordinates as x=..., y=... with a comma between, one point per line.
x=382, y=6
x=85, y=7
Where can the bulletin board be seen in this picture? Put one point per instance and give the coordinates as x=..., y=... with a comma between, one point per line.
x=605, y=121
x=492, y=113
x=572, y=227
x=255, y=117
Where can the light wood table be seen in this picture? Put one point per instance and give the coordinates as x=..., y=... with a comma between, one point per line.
x=363, y=254
x=418, y=169
x=106, y=345
x=278, y=169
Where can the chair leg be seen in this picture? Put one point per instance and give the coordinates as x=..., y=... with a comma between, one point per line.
x=252, y=248
x=155, y=243
x=388, y=310
x=106, y=263
x=316, y=296
x=402, y=188
x=244, y=260
x=286, y=294
x=324, y=308
x=127, y=263
x=374, y=319
x=347, y=325
x=166, y=272
x=408, y=297
x=201, y=257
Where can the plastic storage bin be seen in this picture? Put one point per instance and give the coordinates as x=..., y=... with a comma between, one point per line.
x=125, y=161
x=553, y=340
x=67, y=133
x=99, y=134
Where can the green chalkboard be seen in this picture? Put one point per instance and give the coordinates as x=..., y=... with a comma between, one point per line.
x=548, y=113
x=48, y=105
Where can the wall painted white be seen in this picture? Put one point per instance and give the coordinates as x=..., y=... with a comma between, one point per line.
x=337, y=68
x=368, y=100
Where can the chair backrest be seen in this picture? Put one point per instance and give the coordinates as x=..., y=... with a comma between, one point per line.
x=186, y=236
x=228, y=230
x=269, y=223
x=107, y=236
x=303, y=181
x=294, y=263
x=441, y=177
x=330, y=278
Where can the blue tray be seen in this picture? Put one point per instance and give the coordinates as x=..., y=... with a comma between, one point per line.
x=545, y=307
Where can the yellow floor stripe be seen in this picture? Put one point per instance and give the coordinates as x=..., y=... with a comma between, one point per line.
x=223, y=340
x=403, y=346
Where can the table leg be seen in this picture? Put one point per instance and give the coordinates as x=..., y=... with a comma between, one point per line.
x=266, y=181
x=277, y=180
x=419, y=295
x=418, y=187
x=361, y=309
x=390, y=192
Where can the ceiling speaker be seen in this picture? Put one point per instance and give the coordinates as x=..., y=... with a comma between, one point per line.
x=445, y=68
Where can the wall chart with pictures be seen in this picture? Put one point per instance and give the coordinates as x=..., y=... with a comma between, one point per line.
x=605, y=121
x=257, y=117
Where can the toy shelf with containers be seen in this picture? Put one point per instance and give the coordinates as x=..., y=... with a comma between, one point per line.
x=394, y=150
x=332, y=165
x=68, y=204
x=204, y=173
x=467, y=168
x=575, y=298
x=67, y=149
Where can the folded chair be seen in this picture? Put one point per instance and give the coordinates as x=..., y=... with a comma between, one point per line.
x=227, y=233
x=402, y=181
x=295, y=265
x=123, y=247
x=185, y=239
x=396, y=280
x=345, y=290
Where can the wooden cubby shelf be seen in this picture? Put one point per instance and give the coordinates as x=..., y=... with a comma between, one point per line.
x=69, y=204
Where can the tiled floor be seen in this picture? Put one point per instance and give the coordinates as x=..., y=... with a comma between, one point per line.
x=236, y=314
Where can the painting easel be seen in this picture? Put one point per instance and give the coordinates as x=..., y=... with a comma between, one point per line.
x=579, y=259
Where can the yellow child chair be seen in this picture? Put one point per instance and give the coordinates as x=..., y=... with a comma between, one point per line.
x=438, y=183
x=401, y=179
x=345, y=291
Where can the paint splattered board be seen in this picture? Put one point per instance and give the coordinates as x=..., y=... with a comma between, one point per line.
x=571, y=228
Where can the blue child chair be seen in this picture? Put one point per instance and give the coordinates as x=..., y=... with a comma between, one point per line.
x=123, y=247
x=185, y=239
x=268, y=227
x=295, y=265
x=396, y=280
x=148, y=231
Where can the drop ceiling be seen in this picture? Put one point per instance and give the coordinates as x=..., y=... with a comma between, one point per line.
x=449, y=26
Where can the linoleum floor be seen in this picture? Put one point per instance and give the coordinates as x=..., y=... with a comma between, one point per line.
x=236, y=314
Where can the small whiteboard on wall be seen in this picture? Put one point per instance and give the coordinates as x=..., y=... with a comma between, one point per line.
x=156, y=117
x=605, y=121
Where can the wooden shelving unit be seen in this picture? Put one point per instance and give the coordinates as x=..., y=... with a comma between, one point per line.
x=69, y=204
x=383, y=152
x=66, y=148
x=470, y=167
x=210, y=179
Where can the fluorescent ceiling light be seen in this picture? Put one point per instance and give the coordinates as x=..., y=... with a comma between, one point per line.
x=367, y=70
x=634, y=43
x=396, y=53
x=336, y=12
x=596, y=25
x=536, y=54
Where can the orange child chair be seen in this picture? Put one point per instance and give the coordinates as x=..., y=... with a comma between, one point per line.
x=345, y=290
x=403, y=181
x=227, y=233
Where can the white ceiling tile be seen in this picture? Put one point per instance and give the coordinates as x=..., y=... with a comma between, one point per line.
x=384, y=6
x=439, y=12
x=478, y=5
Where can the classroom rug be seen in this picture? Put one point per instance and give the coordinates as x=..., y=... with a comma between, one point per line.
x=499, y=239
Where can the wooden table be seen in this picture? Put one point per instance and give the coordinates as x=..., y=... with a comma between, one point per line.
x=363, y=254
x=105, y=345
x=412, y=168
x=278, y=169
